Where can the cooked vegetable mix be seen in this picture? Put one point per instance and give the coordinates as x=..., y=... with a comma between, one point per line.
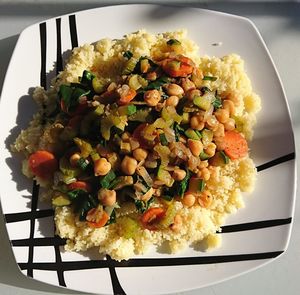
x=151, y=138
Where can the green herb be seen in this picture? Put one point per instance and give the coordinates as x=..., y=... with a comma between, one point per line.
x=157, y=83
x=201, y=185
x=107, y=179
x=167, y=197
x=198, y=133
x=163, y=139
x=131, y=109
x=173, y=42
x=74, y=194
x=142, y=206
x=224, y=157
x=205, y=89
x=204, y=156
x=87, y=78
x=178, y=131
x=128, y=54
x=209, y=78
x=114, y=183
x=112, y=218
x=70, y=96
x=83, y=163
x=217, y=103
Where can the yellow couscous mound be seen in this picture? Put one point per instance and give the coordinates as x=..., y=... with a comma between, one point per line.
x=226, y=182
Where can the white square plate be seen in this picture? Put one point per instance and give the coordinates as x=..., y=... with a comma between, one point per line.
x=254, y=236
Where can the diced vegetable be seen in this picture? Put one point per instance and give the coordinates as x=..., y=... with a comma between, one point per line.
x=204, y=102
x=127, y=110
x=169, y=216
x=142, y=115
x=107, y=179
x=192, y=134
x=235, y=145
x=209, y=78
x=151, y=218
x=61, y=200
x=179, y=66
x=84, y=146
x=196, y=184
x=42, y=164
x=97, y=218
x=80, y=185
x=163, y=139
x=130, y=228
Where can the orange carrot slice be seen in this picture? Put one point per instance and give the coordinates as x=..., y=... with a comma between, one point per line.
x=43, y=164
x=235, y=145
x=100, y=220
x=80, y=185
x=179, y=66
x=151, y=217
x=127, y=97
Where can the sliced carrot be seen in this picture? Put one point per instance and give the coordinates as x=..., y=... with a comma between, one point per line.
x=151, y=217
x=80, y=185
x=101, y=218
x=127, y=97
x=179, y=66
x=235, y=145
x=43, y=164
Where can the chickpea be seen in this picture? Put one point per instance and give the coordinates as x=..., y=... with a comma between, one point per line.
x=101, y=167
x=210, y=150
x=174, y=89
x=140, y=154
x=230, y=124
x=204, y=173
x=196, y=147
x=151, y=76
x=197, y=123
x=152, y=97
x=74, y=159
x=178, y=174
x=188, y=199
x=229, y=106
x=187, y=84
x=203, y=164
x=192, y=93
x=172, y=101
x=205, y=199
x=219, y=131
x=107, y=197
x=176, y=225
x=212, y=122
x=222, y=115
x=129, y=165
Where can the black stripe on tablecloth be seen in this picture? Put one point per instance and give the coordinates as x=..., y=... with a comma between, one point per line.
x=73, y=30
x=59, y=60
x=22, y=216
x=34, y=201
x=275, y=162
x=36, y=242
x=255, y=225
x=153, y=262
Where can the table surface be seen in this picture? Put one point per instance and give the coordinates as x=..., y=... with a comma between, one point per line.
x=279, y=25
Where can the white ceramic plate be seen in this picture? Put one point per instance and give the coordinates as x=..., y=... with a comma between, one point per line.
x=254, y=236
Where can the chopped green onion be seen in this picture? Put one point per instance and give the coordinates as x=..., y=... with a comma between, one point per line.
x=157, y=83
x=163, y=139
x=201, y=185
x=167, y=197
x=224, y=157
x=209, y=78
x=204, y=156
x=173, y=42
x=83, y=163
x=217, y=103
x=128, y=54
x=107, y=179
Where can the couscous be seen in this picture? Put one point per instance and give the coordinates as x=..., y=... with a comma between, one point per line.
x=141, y=142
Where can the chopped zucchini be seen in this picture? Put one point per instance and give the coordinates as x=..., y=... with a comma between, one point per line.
x=61, y=200
x=192, y=134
